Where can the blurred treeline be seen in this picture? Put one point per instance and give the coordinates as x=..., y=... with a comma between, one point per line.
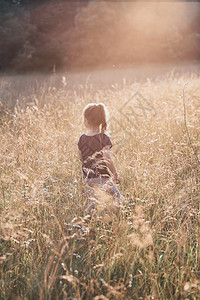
x=38, y=35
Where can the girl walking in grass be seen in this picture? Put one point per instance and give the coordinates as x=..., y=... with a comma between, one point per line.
x=94, y=146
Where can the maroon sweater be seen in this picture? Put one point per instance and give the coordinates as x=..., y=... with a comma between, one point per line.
x=93, y=164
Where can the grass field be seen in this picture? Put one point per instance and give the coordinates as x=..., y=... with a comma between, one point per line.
x=48, y=248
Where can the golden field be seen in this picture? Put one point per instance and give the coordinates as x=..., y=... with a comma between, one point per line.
x=49, y=249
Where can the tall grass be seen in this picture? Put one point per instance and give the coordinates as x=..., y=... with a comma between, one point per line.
x=49, y=249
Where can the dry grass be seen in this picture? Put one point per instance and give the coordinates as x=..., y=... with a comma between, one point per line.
x=150, y=250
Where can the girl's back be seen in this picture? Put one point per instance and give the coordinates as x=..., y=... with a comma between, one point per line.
x=93, y=163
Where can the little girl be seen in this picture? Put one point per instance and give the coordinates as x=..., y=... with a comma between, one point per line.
x=97, y=164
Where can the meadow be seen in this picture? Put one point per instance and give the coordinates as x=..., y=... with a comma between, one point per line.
x=49, y=248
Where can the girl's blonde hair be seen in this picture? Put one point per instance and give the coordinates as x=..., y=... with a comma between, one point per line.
x=96, y=115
